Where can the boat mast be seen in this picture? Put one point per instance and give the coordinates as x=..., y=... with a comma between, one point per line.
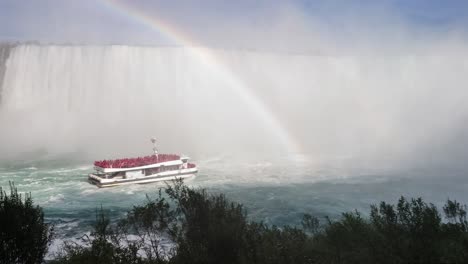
x=155, y=150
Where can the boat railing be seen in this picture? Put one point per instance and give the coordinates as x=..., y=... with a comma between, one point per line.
x=136, y=162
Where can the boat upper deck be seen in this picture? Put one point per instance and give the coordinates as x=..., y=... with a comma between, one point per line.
x=135, y=162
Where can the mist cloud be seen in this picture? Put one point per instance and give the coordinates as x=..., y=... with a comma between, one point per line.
x=366, y=83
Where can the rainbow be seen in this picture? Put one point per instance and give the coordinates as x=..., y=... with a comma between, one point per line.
x=214, y=63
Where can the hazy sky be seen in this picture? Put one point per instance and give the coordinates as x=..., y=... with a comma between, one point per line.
x=94, y=21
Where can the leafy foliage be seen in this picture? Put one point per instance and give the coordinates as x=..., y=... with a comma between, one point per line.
x=409, y=232
x=184, y=225
x=103, y=246
x=24, y=237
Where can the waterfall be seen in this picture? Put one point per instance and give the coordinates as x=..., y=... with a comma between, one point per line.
x=112, y=99
x=4, y=54
x=93, y=96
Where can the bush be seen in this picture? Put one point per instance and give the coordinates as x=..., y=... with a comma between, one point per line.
x=409, y=232
x=208, y=228
x=24, y=237
x=202, y=228
x=103, y=246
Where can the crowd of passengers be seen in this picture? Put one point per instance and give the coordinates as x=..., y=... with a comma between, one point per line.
x=136, y=162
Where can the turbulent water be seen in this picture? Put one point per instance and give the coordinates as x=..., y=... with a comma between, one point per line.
x=282, y=133
x=276, y=191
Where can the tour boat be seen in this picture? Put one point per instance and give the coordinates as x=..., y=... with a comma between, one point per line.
x=157, y=167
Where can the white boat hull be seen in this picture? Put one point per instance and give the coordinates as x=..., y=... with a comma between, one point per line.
x=163, y=176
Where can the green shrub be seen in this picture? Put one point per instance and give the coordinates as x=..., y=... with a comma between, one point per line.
x=208, y=228
x=102, y=246
x=24, y=237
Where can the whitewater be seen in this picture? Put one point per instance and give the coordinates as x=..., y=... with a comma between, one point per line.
x=284, y=134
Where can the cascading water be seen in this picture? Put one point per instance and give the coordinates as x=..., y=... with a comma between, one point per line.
x=232, y=111
x=107, y=99
x=4, y=54
x=118, y=96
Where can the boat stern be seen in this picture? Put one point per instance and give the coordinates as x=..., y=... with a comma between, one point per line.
x=96, y=180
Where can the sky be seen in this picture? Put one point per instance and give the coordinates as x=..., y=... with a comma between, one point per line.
x=225, y=23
